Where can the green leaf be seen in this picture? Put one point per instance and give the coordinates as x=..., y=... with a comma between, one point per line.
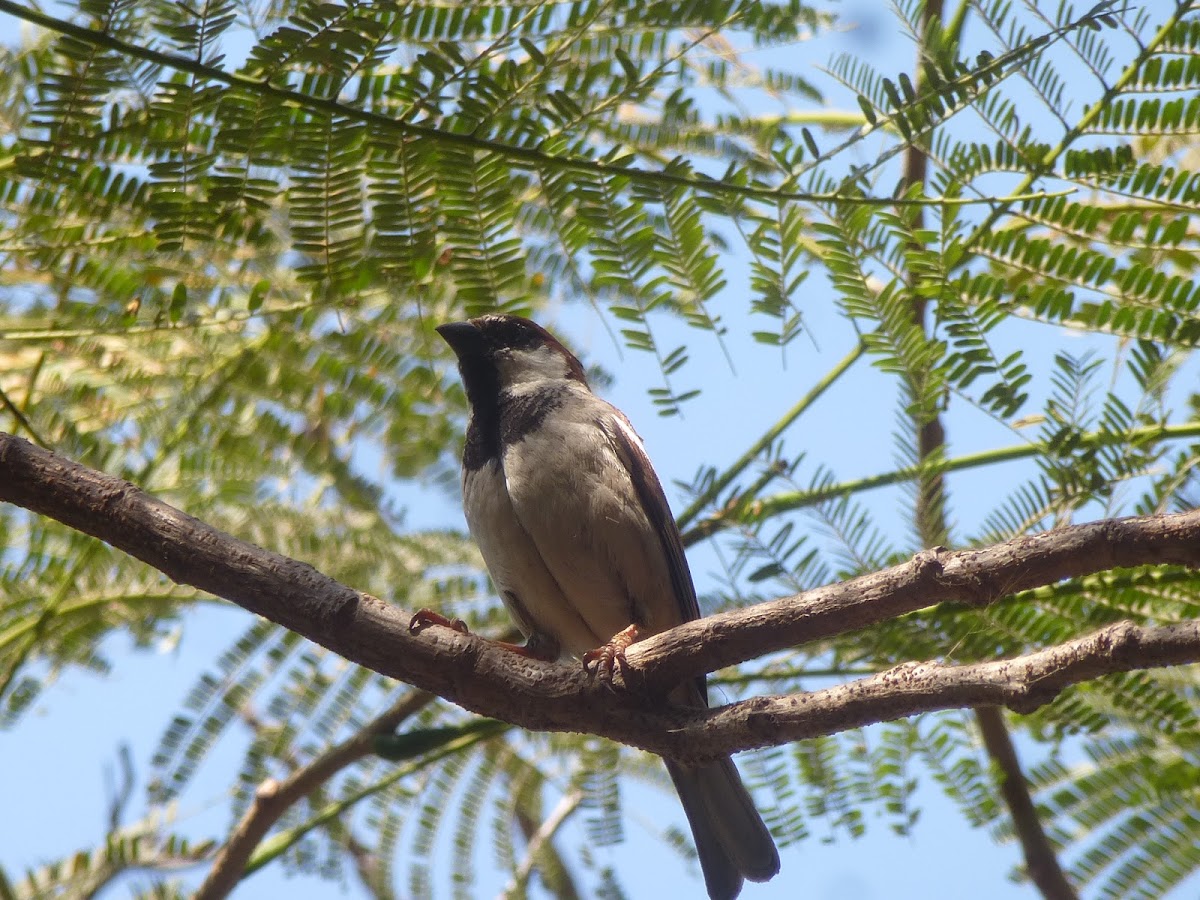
x=418, y=742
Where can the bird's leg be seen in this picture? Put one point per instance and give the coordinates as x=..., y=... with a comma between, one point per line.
x=604, y=660
x=423, y=618
x=535, y=647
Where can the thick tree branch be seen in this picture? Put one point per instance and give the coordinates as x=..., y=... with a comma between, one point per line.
x=1022, y=684
x=559, y=697
x=971, y=577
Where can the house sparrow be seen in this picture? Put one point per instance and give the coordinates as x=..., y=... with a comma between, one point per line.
x=580, y=542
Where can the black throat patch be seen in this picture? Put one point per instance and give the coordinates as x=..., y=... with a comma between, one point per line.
x=521, y=414
x=507, y=421
x=483, y=443
x=483, y=428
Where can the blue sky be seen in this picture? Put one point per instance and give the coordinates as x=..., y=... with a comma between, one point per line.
x=77, y=726
x=80, y=722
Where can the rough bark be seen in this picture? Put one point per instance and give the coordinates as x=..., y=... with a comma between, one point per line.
x=489, y=680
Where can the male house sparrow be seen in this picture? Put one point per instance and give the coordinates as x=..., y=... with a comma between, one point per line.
x=579, y=539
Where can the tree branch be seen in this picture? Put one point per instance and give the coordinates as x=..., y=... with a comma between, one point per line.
x=1041, y=862
x=763, y=508
x=274, y=798
x=975, y=578
x=519, y=884
x=1022, y=684
x=1040, y=859
x=486, y=679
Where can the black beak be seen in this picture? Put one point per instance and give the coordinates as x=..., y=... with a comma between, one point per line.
x=463, y=337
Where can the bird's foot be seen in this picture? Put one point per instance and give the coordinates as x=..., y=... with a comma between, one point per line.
x=536, y=647
x=607, y=658
x=423, y=618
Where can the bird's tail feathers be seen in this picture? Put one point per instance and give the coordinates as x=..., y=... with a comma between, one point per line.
x=732, y=840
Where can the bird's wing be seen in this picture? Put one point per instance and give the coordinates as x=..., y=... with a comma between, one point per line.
x=654, y=502
x=656, y=508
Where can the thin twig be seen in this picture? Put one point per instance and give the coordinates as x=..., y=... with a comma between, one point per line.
x=766, y=507
x=515, y=153
x=274, y=798
x=563, y=811
x=1041, y=862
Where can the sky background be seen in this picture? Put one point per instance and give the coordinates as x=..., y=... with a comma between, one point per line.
x=74, y=733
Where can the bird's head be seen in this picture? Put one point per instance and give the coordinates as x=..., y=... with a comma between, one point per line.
x=499, y=353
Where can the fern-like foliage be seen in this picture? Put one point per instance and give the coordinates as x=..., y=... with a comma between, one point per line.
x=1114, y=257
x=227, y=231
x=143, y=847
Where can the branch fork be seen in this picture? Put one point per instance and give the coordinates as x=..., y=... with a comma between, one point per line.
x=538, y=695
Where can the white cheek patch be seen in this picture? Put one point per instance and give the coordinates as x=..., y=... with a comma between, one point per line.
x=516, y=367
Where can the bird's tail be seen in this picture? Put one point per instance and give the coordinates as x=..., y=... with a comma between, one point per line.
x=731, y=838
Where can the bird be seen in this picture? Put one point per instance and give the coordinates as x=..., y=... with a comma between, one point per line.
x=579, y=540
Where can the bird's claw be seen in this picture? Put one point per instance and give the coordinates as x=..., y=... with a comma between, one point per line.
x=423, y=618
x=604, y=661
